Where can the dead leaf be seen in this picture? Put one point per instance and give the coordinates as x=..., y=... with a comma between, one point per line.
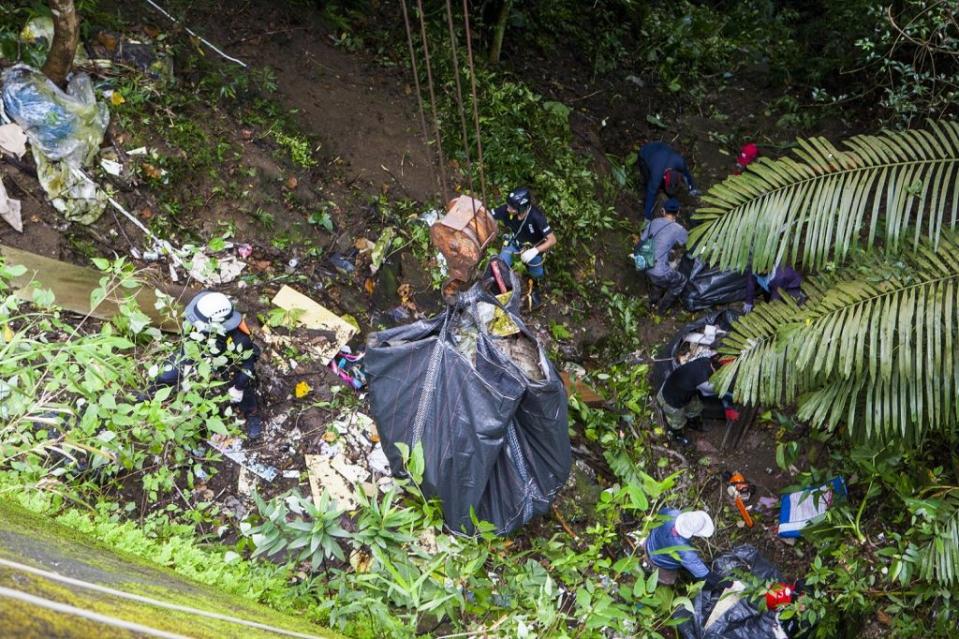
x=360, y=561
x=405, y=291
x=107, y=40
x=291, y=182
x=151, y=171
x=363, y=244
x=883, y=618
x=246, y=134
x=329, y=436
x=261, y=265
x=147, y=213
x=369, y=286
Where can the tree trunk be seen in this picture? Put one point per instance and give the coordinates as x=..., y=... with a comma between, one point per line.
x=66, y=37
x=499, y=30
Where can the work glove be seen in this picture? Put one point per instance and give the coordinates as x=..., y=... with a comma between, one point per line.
x=747, y=308
x=236, y=395
x=732, y=414
x=529, y=255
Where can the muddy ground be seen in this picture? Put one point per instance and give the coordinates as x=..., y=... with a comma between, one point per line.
x=362, y=116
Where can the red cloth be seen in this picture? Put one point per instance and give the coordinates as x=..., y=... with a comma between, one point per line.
x=732, y=414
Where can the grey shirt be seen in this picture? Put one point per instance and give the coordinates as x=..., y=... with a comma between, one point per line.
x=666, y=234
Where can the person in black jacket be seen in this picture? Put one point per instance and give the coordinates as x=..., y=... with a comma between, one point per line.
x=221, y=331
x=681, y=396
x=530, y=236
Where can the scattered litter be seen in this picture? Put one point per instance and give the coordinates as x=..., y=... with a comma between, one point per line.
x=324, y=475
x=301, y=390
x=379, y=250
x=232, y=448
x=140, y=150
x=65, y=131
x=245, y=482
x=39, y=30
x=244, y=250
x=111, y=167
x=62, y=126
x=768, y=503
x=349, y=368
x=291, y=474
x=807, y=506
x=214, y=270
x=341, y=263
x=463, y=234
x=378, y=461
x=13, y=140
x=10, y=210
x=316, y=317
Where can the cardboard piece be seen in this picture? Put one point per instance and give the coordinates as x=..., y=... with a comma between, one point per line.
x=316, y=317
x=582, y=390
x=72, y=285
x=336, y=477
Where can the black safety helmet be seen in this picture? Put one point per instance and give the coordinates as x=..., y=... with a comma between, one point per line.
x=519, y=199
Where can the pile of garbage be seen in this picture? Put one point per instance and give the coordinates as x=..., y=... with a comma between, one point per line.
x=726, y=612
x=488, y=408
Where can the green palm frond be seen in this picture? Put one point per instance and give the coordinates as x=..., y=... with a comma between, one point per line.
x=897, y=187
x=933, y=554
x=872, y=347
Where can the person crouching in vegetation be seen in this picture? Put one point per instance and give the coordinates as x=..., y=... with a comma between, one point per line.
x=668, y=238
x=223, y=337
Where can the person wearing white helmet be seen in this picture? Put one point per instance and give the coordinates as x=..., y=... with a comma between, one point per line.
x=664, y=543
x=220, y=328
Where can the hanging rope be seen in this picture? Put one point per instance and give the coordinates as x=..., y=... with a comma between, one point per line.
x=419, y=96
x=436, y=122
x=459, y=98
x=476, y=125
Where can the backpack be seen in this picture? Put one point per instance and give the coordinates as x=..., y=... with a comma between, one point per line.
x=644, y=256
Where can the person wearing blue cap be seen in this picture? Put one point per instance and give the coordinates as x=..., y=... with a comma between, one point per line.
x=665, y=282
x=225, y=337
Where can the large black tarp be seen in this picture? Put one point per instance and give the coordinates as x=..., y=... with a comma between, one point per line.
x=707, y=286
x=744, y=620
x=493, y=439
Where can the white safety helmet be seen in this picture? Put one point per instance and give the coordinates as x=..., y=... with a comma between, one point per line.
x=696, y=523
x=209, y=308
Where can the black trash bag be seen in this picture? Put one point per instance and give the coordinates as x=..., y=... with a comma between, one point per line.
x=707, y=286
x=494, y=439
x=666, y=361
x=744, y=620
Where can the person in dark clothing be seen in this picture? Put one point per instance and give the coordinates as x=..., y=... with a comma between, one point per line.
x=529, y=235
x=221, y=331
x=663, y=168
x=665, y=282
x=773, y=284
x=680, y=397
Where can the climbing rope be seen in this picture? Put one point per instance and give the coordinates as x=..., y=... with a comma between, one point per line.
x=419, y=95
x=476, y=125
x=436, y=121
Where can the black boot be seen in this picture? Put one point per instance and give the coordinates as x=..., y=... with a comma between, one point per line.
x=254, y=426
x=535, y=295
x=679, y=436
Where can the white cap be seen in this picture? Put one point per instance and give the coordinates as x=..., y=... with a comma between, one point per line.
x=696, y=523
x=210, y=308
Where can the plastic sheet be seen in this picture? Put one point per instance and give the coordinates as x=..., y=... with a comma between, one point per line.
x=743, y=619
x=707, y=287
x=494, y=440
x=63, y=126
